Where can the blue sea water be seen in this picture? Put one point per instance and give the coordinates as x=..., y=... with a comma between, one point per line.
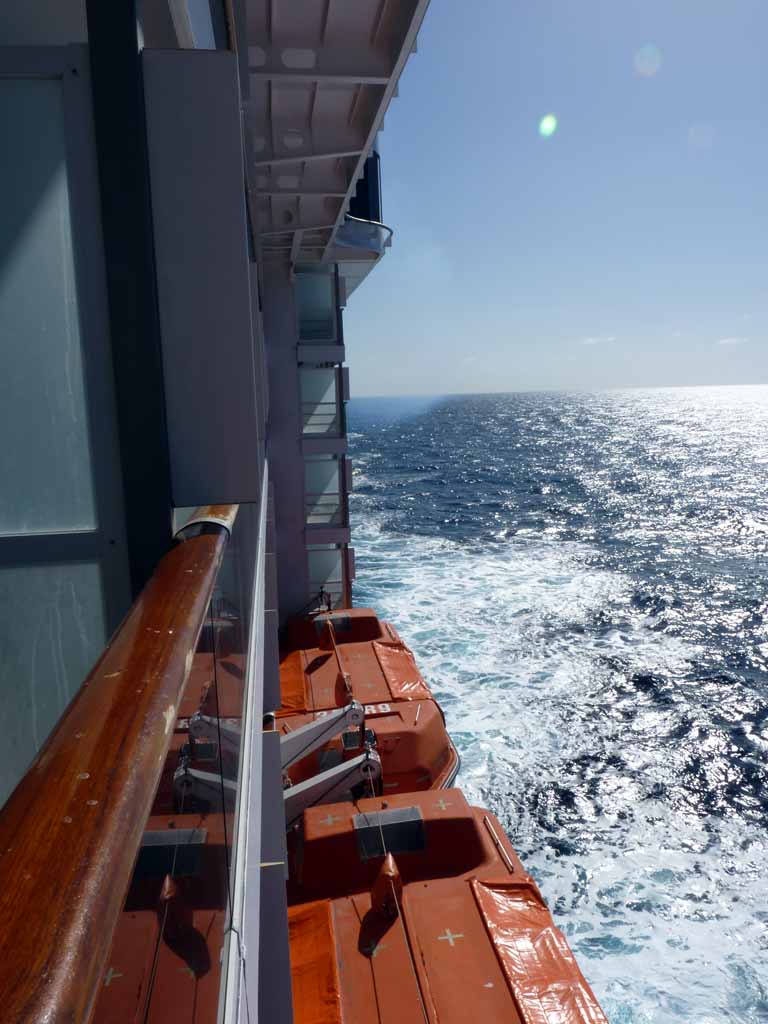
x=584, y=581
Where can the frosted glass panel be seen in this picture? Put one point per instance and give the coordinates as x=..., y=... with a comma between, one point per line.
x=322, y=495
x=325, y=567
x=318, y=385
x=51, y=632
x=45, y=463
x=326, y=574
x=321, y=476
x=319, y=405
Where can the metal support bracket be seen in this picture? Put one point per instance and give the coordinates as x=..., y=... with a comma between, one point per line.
x=331, y=785
x=204, y=728
x=297, y=744
x=191, y=785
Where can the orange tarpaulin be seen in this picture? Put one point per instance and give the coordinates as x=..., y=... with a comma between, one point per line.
x=314, y=977
x=399, y=668
x=293, y=694
x=543, y=976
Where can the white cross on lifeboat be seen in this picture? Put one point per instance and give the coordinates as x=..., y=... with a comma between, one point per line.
x=449, y=937
x=329, y=819
x=443, y=804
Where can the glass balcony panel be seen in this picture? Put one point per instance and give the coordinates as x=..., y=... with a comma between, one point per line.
x=321, y=412
x=326, y=572
x=172, y=946
x=322, y=491
x=316, y=301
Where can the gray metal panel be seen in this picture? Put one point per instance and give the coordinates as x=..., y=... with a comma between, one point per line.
x=275, y=1002
x=241, y=952
x=198, y=203
x=43, y=23
x=328, y=535
x=273, y=843
x=324, y=446
x=286, y=463
x=270, y=581
x=321, y=354
x=272, y=696
x=275, y=996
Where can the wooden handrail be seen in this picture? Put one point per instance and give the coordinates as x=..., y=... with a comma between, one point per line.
x=70, y=832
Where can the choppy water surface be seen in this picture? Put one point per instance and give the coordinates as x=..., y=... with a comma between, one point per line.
x=583, y=579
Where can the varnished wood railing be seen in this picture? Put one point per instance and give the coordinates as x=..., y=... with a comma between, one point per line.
x=70, y=832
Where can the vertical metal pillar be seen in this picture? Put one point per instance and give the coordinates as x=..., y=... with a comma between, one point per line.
x=118, y=104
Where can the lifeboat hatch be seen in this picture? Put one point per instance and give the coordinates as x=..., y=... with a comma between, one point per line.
x=175, y=851
x=399, y=830
x=340, y=623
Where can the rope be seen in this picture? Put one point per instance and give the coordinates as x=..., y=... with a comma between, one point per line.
x=401, y=919
x=241, y=957
x=158, y=941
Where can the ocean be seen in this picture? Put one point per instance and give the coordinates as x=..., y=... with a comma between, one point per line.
x=583, y=578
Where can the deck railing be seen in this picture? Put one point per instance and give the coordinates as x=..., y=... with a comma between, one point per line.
x=71, y=830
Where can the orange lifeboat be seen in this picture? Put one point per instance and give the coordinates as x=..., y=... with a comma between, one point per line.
x=349, y=655
x=416, y=910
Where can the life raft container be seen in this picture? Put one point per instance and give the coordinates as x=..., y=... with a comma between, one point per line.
x=347, y=655
x=416, y=910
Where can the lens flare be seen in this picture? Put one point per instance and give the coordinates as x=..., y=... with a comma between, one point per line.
x=648, y=60
x=547, y=126
x=701, y=136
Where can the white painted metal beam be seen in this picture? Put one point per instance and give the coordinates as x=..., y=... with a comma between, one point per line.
x=405, y=52
x=301, y=158
x=302, y=192
x=283, y=74
x=298, y=229
x=296, y=245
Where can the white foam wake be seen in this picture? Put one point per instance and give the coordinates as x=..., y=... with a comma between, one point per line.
x=523, y=644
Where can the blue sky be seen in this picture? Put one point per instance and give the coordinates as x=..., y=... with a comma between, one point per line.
x=629, y=248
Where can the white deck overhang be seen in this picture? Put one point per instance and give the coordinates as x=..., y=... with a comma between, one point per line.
x=321, y=76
